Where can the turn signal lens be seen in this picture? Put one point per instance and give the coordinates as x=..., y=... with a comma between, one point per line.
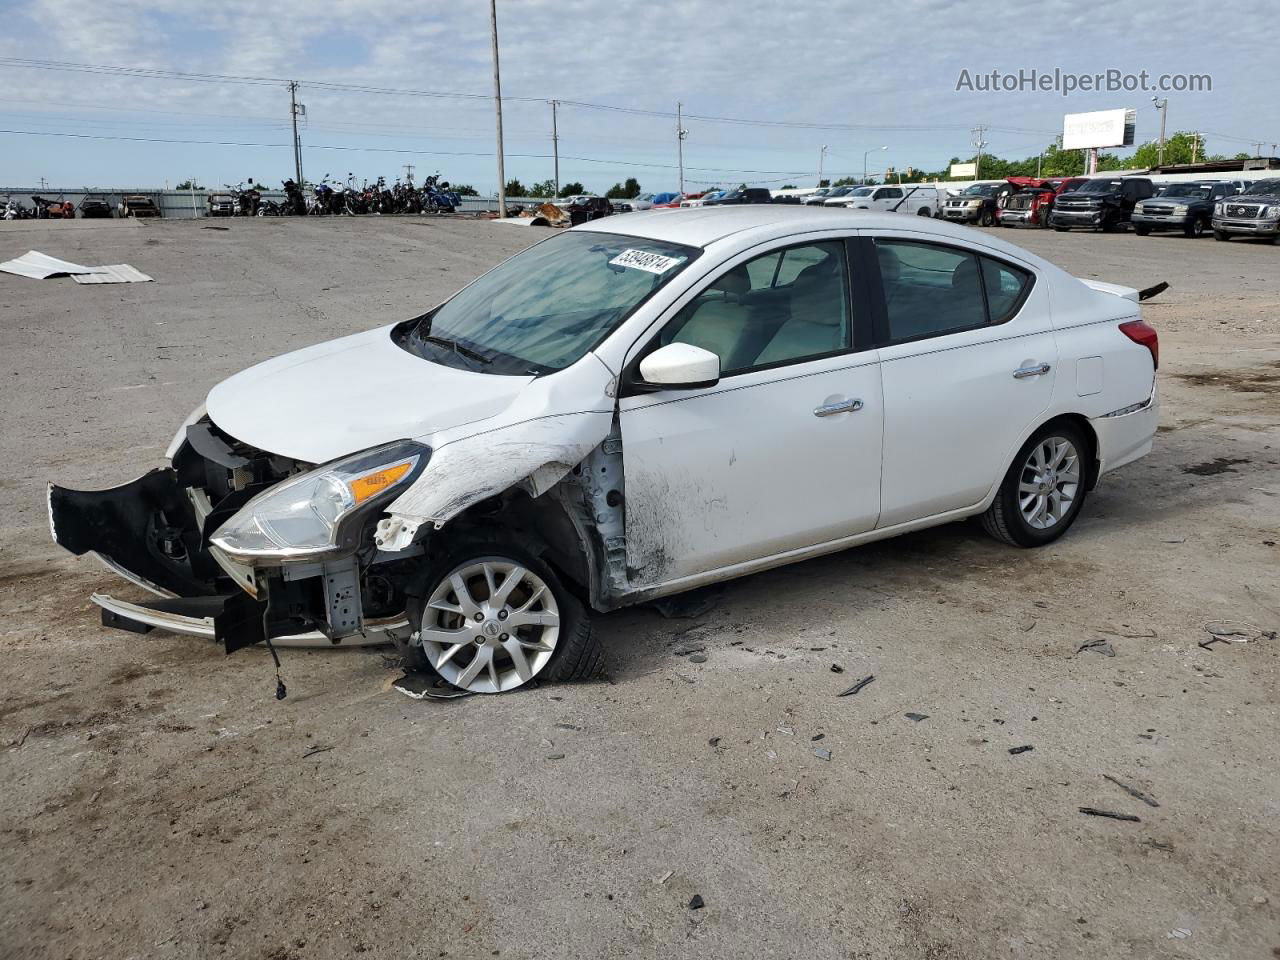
x=362, y=488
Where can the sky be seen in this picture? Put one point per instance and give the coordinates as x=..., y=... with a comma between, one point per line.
x=801, y=74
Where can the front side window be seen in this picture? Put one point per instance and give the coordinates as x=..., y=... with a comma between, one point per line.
x=930, y=290
x=781, y=307
x=890, y=192
x=547, y=306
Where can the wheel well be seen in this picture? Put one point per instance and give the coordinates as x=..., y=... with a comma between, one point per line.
x=1081, y=423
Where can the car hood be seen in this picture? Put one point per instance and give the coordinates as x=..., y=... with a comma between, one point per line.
x=1263, y=198
x=346, y=395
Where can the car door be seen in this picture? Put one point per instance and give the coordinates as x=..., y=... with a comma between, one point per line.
x=967, y=359
x=886, y=198
x=784, y=451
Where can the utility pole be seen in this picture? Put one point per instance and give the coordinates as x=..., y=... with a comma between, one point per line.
x=1163, y=107
x=1195, y=146
x=1039, y=163
x=555, y=142
x=296, y=109
x=497, y=103
x=408, y=173
x=978, y=142
x=681, y=133
x=822, y=155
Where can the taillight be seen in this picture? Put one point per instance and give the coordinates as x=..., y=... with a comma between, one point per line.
x=1144, y=335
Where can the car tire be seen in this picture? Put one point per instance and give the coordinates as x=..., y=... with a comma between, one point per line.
x=986, y=219
x=1221, y=235
x=924, y=212
x=1195, y=229
x=1060, y=229
x=1034, y=505
x=575, y=652
x=1142, y=231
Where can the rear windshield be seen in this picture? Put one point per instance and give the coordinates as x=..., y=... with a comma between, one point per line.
x=1264, y=188
x=1197, y=190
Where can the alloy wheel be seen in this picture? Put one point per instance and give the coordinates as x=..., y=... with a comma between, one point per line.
x=490, y=625
x=1049, y=482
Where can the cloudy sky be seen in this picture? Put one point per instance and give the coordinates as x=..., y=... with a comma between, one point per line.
x=803, y=74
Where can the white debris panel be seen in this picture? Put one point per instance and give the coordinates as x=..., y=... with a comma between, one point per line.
x=41, y=266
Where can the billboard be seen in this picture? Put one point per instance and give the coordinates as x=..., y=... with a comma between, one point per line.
x=1102, y=128
x=962, y=170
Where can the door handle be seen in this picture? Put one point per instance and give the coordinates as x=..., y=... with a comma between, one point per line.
x=1035, y=370
x=839, y=406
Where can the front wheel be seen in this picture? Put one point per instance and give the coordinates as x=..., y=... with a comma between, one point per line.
x=924, y=212
x=1194, y=229
x=1221, y=235
x=1060, y=229
x=1043, y=491
x=492, y=618
x=1142, y=231
x=986, y=219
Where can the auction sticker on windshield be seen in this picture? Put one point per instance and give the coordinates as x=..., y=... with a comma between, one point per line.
x=644, y=260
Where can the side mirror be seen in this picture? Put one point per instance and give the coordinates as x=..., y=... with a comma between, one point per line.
x=680, y=366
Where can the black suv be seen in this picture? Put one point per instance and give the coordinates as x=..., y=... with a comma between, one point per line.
x=1181, y=206
x=748, y=195
x=1100, y=204
x=1253, y=213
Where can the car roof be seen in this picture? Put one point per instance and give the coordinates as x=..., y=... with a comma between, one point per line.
x=701, y=226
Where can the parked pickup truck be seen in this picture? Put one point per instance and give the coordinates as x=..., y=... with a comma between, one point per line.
x=1181, y=206
x=977, y=203
x=1102, y=203
x=903, y=198
x=1032, y=200
x=1253, y=213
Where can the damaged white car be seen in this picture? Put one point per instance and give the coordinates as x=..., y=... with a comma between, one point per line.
x=626, y=410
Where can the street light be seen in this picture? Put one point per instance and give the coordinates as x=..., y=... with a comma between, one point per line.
x=864, y=162
x=822, y=154
x=1163, y=107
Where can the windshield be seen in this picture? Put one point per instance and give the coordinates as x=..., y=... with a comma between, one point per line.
x=1264, y=188
x=547, y=306
x=862, y=192
x=1197, y=190
x=1099, y=186
x=979, y=190
x=840, y=191
x=1073, y=187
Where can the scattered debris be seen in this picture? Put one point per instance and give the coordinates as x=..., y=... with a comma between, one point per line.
x=789, y=731
x=215, y=228
x=714, y=741
x=664, y=878
x=917, y=717
x=698, y=658
x=1132, y=791
x=857, y=686
x=1027, y=624
x=21, y=738
x=1173, y=540
x=822, y=754
x=1017, y=750
x=836, y=668
x=1097, y=645
x=1156, y=844
x=318, y=748
x=1233, y=631
x=1110, y=814
x=567, y=726
x=686, y=606
x=40, y=266
x=1178, y=933
x=816, y=737
x=417, y=685
x=555, y=756
x=696, y=902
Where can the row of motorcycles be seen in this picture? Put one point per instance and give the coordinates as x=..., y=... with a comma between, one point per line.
x=334, y=198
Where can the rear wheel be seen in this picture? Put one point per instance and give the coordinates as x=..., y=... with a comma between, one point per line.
x=1043, y=491
x=491, y=618
x=1195, y=228
x=924, y=212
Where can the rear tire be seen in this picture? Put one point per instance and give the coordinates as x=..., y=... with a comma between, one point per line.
x=556, y=619
x=1195, y=229
x=1043, y=490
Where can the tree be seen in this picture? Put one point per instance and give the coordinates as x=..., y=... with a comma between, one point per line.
x=188, y=185
x=846, y=182
x=545, y=189
x=616, y=192
x=632, y=188
x=516, y=189
x=465, y=190
x=788, y=186
x=1180, y=148
x=569, y=189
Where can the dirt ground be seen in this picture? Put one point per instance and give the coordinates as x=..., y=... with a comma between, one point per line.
x=158, y=802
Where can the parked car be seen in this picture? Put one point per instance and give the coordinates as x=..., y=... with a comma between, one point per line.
x=1102, y=203
x=977, y=203
x=582, y=209
x=96, y=206
x=136, y=205
x=836, y=196
x=1253, y=213
x=817, y=198
x=1187, y=207
x=1031, y=201
x=626, y=410
x=903, y=198
x=731, y=198
x=642, y=202
x=222, y=205
x=666, y=201
x=700, y=199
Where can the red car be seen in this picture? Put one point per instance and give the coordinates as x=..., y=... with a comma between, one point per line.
x=1032, y=203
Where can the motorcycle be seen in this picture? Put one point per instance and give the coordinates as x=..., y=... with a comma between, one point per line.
x=294, y=203
x=247, y=199
x=13, y=210
x=436, y=196
x=53, y=209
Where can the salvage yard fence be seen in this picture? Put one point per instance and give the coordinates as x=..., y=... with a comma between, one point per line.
x=189, y=204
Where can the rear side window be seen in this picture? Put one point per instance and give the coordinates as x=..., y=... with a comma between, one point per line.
x=930, y=290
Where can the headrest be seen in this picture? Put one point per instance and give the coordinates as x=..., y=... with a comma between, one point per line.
x=890, y=266
x=737, y=282
x=965, y=275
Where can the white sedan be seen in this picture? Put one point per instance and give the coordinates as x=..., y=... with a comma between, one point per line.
x=629, y=409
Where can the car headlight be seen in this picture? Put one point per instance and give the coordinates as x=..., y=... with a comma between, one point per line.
x=1273, y=211
x=317, y=512
x=1179, y=209
x=1219, y=208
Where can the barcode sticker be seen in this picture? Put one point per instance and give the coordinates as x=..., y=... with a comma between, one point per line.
x=643, y=260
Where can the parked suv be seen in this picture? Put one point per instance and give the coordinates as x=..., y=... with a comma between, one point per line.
x=1032, y=200
x=745, y=195
x=977, y=203
x=1181, y=206
x=1253, y=213
x=582, y=209
x=1102, y=203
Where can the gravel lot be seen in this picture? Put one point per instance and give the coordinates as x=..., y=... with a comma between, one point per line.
x=160, y=803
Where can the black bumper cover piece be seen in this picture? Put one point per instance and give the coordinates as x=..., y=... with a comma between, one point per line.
x=146, y=527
